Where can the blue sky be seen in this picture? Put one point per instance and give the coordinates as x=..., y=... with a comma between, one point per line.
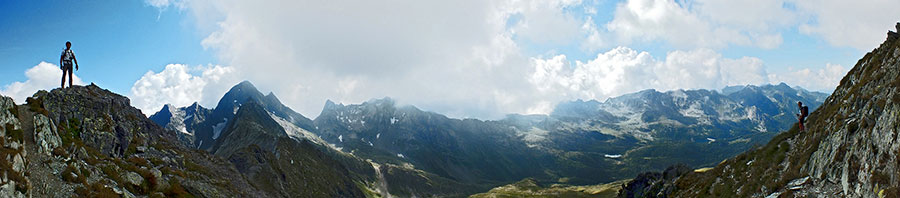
x=469, y=58
x=116, y=42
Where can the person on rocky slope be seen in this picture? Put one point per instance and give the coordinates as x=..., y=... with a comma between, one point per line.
x=801, y=117
x=65, y=63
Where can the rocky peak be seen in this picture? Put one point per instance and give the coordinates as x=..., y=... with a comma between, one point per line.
x=384, y=105
x=244, y=86
x=209, y=128
x=164, y=116
x=893, y=35
x=168, y=108
x=251, y=126
x=195, y=107
x=89, y=142
x=236, y=96
x=109, y=121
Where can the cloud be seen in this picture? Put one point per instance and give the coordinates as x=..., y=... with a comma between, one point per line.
x=177, y=85
x=701, y=23
x=623, y=70
x=546, y=22
x=43, y=76
x=164, y=4
x=468, y=58
x=825, y=79
x=719, y=24
x=858, y=24
x=454, y=57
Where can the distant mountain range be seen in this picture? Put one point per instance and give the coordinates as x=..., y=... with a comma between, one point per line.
x=580, y=142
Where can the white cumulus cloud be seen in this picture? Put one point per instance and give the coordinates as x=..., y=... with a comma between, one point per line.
x=43, y=76
x=623, y=70
x=178, y=85
x=826, y=78
x=470, y=58
x=546, y=22
x=701, y=23
x=860, y=24
x=439, y=55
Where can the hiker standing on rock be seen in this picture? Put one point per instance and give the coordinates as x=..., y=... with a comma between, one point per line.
x=65, y=63
x=801, y=117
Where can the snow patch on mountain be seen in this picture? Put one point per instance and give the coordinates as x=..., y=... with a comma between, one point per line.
x=533, y=136
x=217, y=129
x=694, y=110
x=296, y=132
x=182, y=129
x=679, y=94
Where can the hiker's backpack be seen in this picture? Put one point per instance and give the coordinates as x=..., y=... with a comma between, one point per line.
x=67, y=56
x=804, y=111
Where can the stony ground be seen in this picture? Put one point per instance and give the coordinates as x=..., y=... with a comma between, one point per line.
x=89, y=142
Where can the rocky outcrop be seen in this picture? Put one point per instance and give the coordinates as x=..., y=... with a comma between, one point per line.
x=45, y=134
x=653, y=184
x=91, y=143
x=13, y=180
x=858, y=149
x=106, y=120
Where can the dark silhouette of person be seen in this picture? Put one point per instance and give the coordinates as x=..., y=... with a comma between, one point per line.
x=65, y=63
x=801, y=117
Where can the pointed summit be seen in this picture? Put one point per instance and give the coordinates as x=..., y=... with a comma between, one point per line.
x=210, y=125
x=244, y=85
x=163, y=116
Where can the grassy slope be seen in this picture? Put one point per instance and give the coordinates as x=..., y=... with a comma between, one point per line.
x=530, y=188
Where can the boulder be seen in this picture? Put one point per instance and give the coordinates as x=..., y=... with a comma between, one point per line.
x=7, y=107
x=45, y=134
x=134, y=178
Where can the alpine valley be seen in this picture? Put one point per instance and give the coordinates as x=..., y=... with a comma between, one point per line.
x=87, y=141
x=379, y=148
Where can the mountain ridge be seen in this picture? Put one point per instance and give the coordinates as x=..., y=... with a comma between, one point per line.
x=475, y=155
x=849, y=149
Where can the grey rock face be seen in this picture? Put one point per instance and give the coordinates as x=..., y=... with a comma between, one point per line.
x=45, y=134
x=6, y=115
x=106, y=120
x=181, y=121
x=14, y=182
x=858, y=155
